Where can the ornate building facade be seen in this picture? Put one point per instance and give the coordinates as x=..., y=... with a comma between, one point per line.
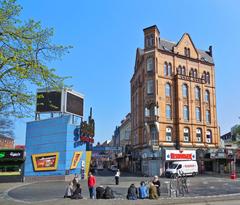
x=173, y=99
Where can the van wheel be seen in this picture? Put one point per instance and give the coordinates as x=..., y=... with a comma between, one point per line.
x=174, y=176
x=194, y=174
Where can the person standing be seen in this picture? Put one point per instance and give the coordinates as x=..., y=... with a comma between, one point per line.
x=157, y=184
x=117, y=176
x=91, y=185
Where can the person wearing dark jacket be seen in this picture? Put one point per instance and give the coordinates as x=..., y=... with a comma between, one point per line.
x=157, y=184
x=99, y=192
x=132, y=192
x=77, y=194
x=108, y=193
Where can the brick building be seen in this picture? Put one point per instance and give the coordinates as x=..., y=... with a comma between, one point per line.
x=6, y=142
x=173, y=101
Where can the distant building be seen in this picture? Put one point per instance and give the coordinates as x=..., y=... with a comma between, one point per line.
x=6, y=142
x=173, y=101
x=125, y=131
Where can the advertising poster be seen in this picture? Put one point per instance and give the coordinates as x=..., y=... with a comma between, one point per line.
x=75, y=160
x=45, y=161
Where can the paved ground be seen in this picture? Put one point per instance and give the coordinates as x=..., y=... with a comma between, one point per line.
x=202, y=189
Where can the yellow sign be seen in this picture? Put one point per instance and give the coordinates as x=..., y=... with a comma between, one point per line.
x=75, y=160
x=45, y=161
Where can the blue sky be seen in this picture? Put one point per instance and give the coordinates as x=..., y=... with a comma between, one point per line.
x=105, y=34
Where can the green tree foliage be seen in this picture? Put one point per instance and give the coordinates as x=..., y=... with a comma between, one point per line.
x=25, y=50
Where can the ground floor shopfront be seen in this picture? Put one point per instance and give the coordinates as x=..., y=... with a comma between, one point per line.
x=150, y=162
x=11, y=165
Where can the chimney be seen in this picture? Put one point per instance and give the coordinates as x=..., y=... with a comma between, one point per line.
x=210, y=50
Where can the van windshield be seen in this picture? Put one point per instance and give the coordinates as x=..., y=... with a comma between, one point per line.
x=173, y=166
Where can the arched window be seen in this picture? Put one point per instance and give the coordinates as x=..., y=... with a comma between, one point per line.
x=195, y=75
x=168, y=90
x=185, y=51
x=179, y=71
x=185, y=113
x=186, y=134
x=208, y=116
x=197, y=93
x=169, y=69
x=198, y=114
x=153, y=134
x=209, y=136
x=204, y=76
x=168, y=134
x=208, y=78
x=185, y=90
x=168, y=112
x=165, y=69
x=191, y=72
x=199, y=134
x=150, y=64
x=207, y=96
x=183, y=70
x=188, y=52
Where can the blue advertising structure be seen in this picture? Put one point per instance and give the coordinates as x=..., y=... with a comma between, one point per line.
x=54, y=150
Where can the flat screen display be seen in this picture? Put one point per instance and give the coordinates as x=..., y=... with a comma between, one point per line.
x=74, y=104
x=49, y=101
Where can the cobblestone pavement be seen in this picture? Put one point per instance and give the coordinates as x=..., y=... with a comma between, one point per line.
x=201, y=189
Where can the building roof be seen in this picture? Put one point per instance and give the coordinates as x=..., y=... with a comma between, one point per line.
x=168, y=46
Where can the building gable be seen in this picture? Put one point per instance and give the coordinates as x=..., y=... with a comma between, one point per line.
x=186, y=43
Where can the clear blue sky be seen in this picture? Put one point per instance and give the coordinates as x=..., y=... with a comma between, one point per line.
x=105, y=35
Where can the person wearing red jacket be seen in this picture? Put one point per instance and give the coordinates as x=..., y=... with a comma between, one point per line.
x=91, y=185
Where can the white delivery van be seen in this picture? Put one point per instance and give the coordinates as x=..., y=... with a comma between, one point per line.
x=186, y=167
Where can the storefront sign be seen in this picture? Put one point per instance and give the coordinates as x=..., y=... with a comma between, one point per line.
x=11, y=154
x=175, y=155
x=75, y=160
x=45, y=161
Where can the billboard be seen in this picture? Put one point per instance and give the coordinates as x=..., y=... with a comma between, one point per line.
x=74, y=104
x=49, y=101
x=45, y=161
x=177, y=155
x=65, y=101
x=11, y=154
x=75, y=160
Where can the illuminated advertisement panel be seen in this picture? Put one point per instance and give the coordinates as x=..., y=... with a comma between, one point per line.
x=45, y=161
x=75, y=160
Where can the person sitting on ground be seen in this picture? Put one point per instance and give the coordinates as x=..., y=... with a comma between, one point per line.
x=132, y=192
x=153, y=191
x=77, y=194
x=108, y=193
x=143, y=191
x=99, y=192
x=75, y=181
x=69, y=190
x=157, y=183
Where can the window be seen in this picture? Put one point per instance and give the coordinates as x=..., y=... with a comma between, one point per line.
x=208, y=116
x=147, y=112
x=207, y=97
x=183, y=70
x=150, y=40
x=150, y=87
x=186, y=134
x=153, y=134
x=204, y=76
x=150, y=64
x=209, y=136
x=191, y=72
x=165, y=69
x=169, y=69
x=185, y=90
x=185, y=113
x=168, y=112
x=198, y=114
x=208, y=78
x=168, y=90
x=185, y=51
x=199, y=134
x=197, y=93
x=188, y=51
x=179, y=71
x=195, y=75
x=168, y=134
x=152, y=110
